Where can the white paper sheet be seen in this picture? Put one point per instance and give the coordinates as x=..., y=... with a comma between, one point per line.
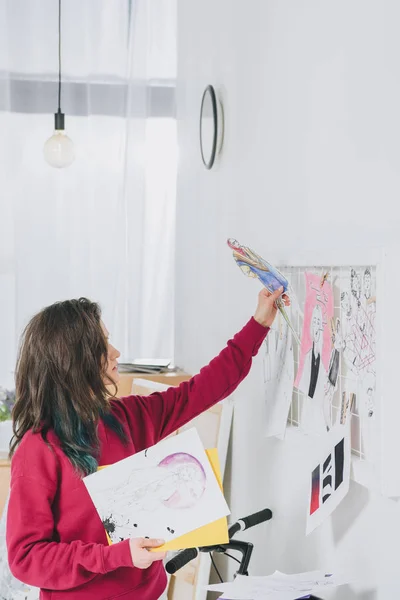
x=278, y=377
x=330, y=476
x=278, y=586
x=163, y=492
x=358, y=307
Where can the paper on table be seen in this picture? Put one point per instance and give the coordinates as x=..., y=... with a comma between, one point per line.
x=278, y=586
x=163, y=492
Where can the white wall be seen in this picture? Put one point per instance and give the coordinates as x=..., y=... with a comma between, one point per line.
x=311, y=92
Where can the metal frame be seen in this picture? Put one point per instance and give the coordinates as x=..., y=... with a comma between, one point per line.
x=365, y=472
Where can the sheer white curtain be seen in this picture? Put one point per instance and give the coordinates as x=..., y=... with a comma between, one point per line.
x=104, y=227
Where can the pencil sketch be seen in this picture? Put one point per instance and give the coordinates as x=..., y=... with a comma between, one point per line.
x=358, y=309
x=178, y=482
x=278, y=377
x=164, y=493
x=358, y=324
x=313, y=368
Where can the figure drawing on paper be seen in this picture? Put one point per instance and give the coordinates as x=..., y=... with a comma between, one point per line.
x=358, y=307
x=315, y=355
x=358, y=323
x=253, y=265
x=178, y=482
x=164, y=491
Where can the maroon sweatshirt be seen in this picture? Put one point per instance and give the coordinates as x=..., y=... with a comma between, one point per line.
x=55, y=538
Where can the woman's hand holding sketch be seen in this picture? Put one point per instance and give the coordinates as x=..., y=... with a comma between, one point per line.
x=141, y=557
x=267, y=308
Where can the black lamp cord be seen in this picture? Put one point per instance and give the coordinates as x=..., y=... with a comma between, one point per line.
x=59, y=55
x=59, y=117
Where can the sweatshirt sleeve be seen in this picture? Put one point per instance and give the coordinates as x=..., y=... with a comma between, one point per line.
x=35, y=559
x=169, y=410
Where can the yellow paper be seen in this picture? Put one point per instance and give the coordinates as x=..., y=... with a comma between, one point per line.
x=208, y=535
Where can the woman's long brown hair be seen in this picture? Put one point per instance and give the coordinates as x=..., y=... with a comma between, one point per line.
x=60, y=381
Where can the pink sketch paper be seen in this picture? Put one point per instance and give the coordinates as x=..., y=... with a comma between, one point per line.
x=315, y=353
x=322, y=298
x=318, y=312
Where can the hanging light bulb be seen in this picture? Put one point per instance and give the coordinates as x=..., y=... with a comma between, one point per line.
x=59, y=149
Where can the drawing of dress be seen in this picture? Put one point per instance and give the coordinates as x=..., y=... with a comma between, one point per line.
x=359, y=337
x=313, y=381
x=313, y=377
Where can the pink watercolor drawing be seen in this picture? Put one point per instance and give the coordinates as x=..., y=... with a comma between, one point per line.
x=189, y=480
x=316, y=343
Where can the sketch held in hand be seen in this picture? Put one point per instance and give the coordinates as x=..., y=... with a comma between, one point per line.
x=188, y=480
x=253, y=265
x=178, y=482
x=163, y=492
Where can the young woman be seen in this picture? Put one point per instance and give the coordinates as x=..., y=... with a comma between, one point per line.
x=66, y=424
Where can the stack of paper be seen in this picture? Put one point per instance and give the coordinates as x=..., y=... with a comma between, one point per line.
x=145, y=365
x=277, y=586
